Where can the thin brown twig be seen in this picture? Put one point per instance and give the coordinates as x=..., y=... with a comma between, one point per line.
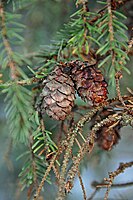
x=102, y=11
x=61, y=190
x=52, y=161
x=112, y=175
x=117, y=77
x=33, y=163
x=130, y=45
x=111, y=31
x=37, y=194
x=28, y=81
x=56, y=172
x=78, y=143
x=73, y=132
x=81, y=135
x=86, y=147
x=101, y=185
x=82, y=186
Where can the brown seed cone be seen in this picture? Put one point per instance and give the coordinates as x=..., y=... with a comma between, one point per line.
x=89, y=82
x=108, y=137
x=58, y=95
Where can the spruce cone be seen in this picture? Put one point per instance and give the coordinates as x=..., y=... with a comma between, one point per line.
x=58, y=95
x=107, y=135
x=89, y=82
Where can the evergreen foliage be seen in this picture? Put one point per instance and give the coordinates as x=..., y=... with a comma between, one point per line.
x=18, y=99
x=113, y=41
x=99, y=38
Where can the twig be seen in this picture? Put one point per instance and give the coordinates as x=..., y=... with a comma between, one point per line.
x=101, y=185
x=84, y=3
x=111, y=31
x=86, y=147
x=130, y=44
x=112, y=175
x=81, y=135
x=117, y=77
x=78, y=143
x=56, y=172
x=109, y=119
x=33, y=163
x=77, y=159
x=102, y=11
x=44, y=177
x=51, y=165
x=29, y=81
x=61, y=189
x=82, y=186
x=73, y=133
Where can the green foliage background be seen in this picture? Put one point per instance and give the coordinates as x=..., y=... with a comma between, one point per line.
x=42, y=20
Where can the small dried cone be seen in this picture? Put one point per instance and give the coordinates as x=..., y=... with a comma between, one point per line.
x=58, y=95
x=108, y=137
x=89, y=82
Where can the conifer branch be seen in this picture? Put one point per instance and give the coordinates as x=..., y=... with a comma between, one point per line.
x=51, y=165
x=34, y=167
x=86, y=33
x=112, y=118
x=56, y=172
x=98, y=186
x=101, y=12
x=112, y=175
x=87, y=147
x=111, y=31
x=117, y=77
x=113, y=47
x=61, y=190
x=78, y=128
x=11, y=63
x=37, y=194
x=29, y=81
x=115, y=185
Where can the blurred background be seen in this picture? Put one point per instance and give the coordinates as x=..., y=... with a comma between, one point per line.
x=43, y=19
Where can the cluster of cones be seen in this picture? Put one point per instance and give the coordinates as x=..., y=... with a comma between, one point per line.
x=59, y=88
